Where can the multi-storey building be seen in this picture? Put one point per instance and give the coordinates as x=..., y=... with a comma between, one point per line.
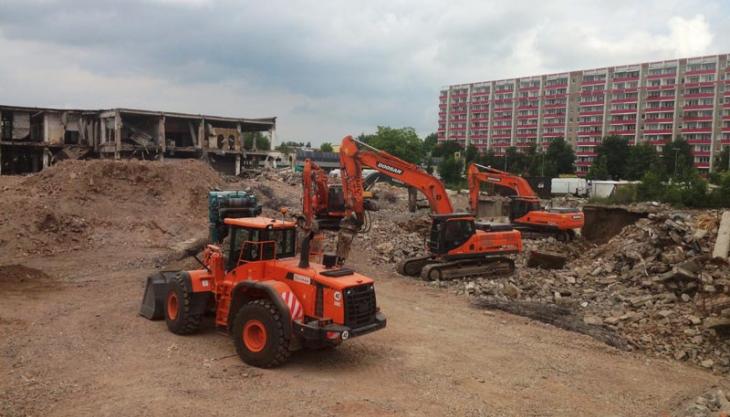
x=651, y=102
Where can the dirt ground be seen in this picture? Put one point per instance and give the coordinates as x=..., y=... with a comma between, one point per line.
x=72, y=344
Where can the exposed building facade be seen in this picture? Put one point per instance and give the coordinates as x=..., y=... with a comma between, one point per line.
x=32, y=138
x=651, y=102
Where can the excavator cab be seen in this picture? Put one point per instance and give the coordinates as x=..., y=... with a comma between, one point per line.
x=519, y=207
x=449, y=231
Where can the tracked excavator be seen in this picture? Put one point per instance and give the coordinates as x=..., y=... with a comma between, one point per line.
x=526, y=213
x=457, y=247
x=323, y=204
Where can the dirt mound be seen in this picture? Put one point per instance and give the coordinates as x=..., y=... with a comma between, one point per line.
x=79, y=204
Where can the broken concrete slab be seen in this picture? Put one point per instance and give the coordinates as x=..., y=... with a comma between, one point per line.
x=547, y=260
x=722, y=243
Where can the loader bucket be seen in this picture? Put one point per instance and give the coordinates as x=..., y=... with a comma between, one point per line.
x=155, y=291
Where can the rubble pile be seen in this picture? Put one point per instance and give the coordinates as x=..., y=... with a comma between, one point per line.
x=710, y=404
x=654, y=284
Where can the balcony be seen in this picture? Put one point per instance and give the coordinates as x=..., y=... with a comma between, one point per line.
x=700, y=72
x=658, y=132
x=699, y=95
x=625, y=79
x=586, y=143
x=698, y=107
x=559, y=124
x=622, y=111
x=590, y=113
x=697, y=130
x=658, y=109
x=700, y=84
x=660, y=76
x=699, y=141
x=596, y=123
x=555, y=105
x=660, y=98
x=593, y=82
x=622, y=132
x=698, y=119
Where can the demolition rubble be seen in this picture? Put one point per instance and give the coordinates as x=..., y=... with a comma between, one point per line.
x=653, y=287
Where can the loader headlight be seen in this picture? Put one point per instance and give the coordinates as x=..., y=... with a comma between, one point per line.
x=345, y=335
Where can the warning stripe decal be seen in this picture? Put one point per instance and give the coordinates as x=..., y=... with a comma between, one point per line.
x=295, y=307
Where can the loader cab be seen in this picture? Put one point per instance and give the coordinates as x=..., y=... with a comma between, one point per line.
x=450, y=231
x=258, y=239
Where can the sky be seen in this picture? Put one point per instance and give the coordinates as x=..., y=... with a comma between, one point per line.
x=324, y=68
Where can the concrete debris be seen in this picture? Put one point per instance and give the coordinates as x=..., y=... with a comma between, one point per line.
x=652, y=283
x=712, y=403
x=547, y=260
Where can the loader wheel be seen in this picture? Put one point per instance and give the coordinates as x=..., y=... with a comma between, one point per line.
x=178, y=307
x=258, y=333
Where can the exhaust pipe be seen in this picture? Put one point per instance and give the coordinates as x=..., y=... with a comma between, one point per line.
x=304, y=255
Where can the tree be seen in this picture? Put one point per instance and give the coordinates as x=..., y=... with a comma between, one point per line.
x=450, y=169
x=561, y=158
x=362, y=137
x=471, y=154
x=403, y=143
x=326, y=147
x=429, y=142
x=447, y=148
x=642, y=159
x=615, y=151
x=599, y=169
x=262, y=142
x=490, y=159
x=678, y=159
x=516, y=161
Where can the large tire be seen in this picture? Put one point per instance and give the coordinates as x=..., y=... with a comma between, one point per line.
x=178, y=307
x=258, y=333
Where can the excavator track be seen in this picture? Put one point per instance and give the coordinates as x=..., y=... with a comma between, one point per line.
x=412, y=266
x=493, y=265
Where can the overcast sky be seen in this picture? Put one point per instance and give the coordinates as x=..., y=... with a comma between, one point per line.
x=324, y=68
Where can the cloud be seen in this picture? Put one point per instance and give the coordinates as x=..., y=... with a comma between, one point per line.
x=326, y=68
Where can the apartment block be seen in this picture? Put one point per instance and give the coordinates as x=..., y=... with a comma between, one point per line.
x=651, y=102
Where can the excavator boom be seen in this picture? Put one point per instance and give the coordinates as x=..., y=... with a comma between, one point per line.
x=354, y=154
x=526, y=212
x=457, y=248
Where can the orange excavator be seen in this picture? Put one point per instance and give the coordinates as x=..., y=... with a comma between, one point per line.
x=457, y=247
x=526, y=213
x=323, y=204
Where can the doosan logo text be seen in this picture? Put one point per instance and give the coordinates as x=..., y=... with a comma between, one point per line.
x=389, y=168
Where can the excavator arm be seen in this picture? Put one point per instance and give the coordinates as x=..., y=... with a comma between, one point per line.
x=315, y=191
x=355, y=154
x=475, y=177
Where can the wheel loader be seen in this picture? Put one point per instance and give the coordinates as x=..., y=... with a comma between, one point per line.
x=257, y=290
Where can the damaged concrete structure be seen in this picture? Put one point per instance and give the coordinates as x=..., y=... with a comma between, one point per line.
x=33, y=138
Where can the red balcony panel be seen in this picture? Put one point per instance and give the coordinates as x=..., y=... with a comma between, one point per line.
x=699, y=141
x=658, y=132
x=554, y=96
x=699, y=107
x=705, y=165
x=698, y=119
x=699, y=95
x=661, y=87
x=598, y=123
x=622, y=132
x=534, y=88
x=659, y=76
x=623, y=79
x=725, y=141
x=590, y=113
x=629, y=111
x=553, y=135
x=697, y=130
x=594, y=82
x=699, y=72
x=583, y=163
x=625, y=100
x=555, y=106
x=658, y=110
x=700, y=84
x=665, y=119
x=701, y=153
x=623, y=90
x=660, y=98
x=560, y=124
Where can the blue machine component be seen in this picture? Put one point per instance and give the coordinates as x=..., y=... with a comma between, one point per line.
x=231, y=204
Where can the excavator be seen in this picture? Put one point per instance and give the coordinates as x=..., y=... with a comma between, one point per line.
x=526, y=213
x=457, y=246
x=323, y=204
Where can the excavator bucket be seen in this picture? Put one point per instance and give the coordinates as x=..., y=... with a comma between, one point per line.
x=155, y=291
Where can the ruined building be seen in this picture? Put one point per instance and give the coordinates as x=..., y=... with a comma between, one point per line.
x=33, y=138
